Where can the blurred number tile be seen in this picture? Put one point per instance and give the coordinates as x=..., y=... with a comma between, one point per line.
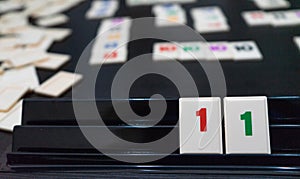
x=275, y=18
x=297, y=41
x=102, y=9
x=272, y=4
x=210, y=27
x=256, y=18
x=209, y=19
x=112, y=47
x=219, y=51
x=191, y=51
x=209, y=13
x=283, y=18
x=246, y=125
x=169, y=15
x=165, y=51
x=245, y=50
x=115, y=56
x=200, y=126
x=296, y=15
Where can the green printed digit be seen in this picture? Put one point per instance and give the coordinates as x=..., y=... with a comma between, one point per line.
x=247, y=117
x=191, y=48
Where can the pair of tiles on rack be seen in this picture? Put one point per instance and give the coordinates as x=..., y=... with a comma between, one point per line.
x=245, y=122
x=242, y=50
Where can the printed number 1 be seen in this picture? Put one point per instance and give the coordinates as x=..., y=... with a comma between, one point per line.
x=202, y=114
x=248, y=123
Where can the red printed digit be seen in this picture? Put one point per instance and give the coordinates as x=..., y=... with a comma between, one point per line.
x=167, y=48
x=257, y=15
x=202, y=114
x=215, y=24
x=110, y=55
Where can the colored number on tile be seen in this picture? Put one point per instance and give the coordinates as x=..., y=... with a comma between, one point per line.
x=202, y=114
x=247, y=117
x=168, y=48
x=111, y=55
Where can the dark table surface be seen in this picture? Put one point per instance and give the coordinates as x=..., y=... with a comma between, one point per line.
x=276, y=75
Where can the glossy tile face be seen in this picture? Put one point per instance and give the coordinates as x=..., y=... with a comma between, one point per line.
x=200, y=125
x=246, y=125
x=246, y=50
x=165, y=51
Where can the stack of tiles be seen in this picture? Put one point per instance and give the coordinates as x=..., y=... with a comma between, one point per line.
x=111, y=43
x=102, y=9
x=169, y=15
x=239, y=51
x=24, y=47
x=275, y=18
x=209, y=19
